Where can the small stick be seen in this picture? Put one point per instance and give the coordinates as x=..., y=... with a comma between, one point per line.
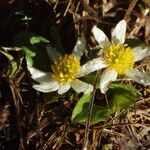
x=129, y=10
x=89, y=115
x=17, y=107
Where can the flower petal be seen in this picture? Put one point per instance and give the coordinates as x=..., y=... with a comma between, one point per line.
x=107, y=76
x=52, y=53
x=100, y=37
x=140, y=53
x=119, y=33
x=63, y=88
x=139, y=77
x=91, y=66
x=79, y=47
x=80, y=86
x=40, y=76
x=48, y=87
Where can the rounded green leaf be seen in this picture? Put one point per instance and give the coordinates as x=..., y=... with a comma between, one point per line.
x=80, y=112
x=121, y=96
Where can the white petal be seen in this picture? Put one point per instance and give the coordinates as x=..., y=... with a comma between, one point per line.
x=40, y=76
x=91, y=66
x=119, y=33
x=80, y=86
x=52, y=53
x=141, y=53
x=80, y=47
x=48, y=87
x=36, y=73
x=100, y=37
x=139, y=77
x=107, y=76
x=63, y=88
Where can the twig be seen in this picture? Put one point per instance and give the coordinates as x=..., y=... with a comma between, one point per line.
x=107, y=101
x=125, y=124
x=119, y=114
x=39, y=105
x=89, y=115
x=12, y=48
x=16, y=102
x=69, y=3
x=89, y=9
x=56, y=5
x=129, y=10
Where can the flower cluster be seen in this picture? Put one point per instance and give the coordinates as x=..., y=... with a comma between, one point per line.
x=117, y=57
x=65, y=71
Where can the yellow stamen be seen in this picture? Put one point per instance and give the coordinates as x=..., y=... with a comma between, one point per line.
x=120, y=58
x=66, y=68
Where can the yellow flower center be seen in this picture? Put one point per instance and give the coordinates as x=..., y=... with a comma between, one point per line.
x=120, y=58
x=66, y=68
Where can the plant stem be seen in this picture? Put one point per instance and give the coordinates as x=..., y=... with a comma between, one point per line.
x=89, y=115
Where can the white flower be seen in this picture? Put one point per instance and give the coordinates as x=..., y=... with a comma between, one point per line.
x=119, y=57
x=65, y=71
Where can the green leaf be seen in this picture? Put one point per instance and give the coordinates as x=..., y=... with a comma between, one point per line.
x=121, y=96
x=38, y=39
x=90, y=78
x=79, y=115
x=79, y=106
x=134, y=42
x=22, y=40
x=29, y=60
x=28, y=51
x=10, y=58
x=14, y=64
x=34, y=47
x=13, y=68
